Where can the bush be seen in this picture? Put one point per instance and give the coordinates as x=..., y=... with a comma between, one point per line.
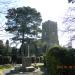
x=52, y=60
x=56, y=56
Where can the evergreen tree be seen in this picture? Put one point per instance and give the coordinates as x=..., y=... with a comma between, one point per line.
x=24, y=22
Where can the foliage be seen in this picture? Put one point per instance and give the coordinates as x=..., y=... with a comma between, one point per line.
x=8, y=49
x=1, y=44
x=24, y=21
x=4, y=49
x=5, y=53
x=38, y=47
x=59, y=56
x=51, y=63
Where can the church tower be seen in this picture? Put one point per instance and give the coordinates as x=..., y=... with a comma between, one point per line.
x=49, y=33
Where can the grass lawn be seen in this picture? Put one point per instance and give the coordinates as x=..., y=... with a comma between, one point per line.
x=37, y=64
x=4, y=67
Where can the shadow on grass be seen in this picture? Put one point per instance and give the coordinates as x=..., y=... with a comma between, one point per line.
x=19, y=71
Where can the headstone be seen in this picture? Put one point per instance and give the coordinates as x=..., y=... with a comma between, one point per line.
x=26, y=62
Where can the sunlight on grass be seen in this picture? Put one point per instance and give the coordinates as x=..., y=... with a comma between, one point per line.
x=37, y=64
x=3, y=67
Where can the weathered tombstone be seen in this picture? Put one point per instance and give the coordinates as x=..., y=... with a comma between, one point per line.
x=26, y=62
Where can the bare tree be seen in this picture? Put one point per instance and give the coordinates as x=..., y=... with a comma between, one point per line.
x=71, y=1
x=69, y=22
x=4, y=6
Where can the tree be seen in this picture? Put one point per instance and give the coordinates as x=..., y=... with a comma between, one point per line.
x=71, y=1
x=8, y=48
x=51, y=61
x=69, y=22
x=2, y=48
x=40, y=47
x=5, y=5
x=1, y=44
x=24, y=23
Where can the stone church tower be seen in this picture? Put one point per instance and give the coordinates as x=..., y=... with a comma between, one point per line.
x=49, y=33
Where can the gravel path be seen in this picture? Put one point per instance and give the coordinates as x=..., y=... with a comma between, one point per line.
x=26, y=73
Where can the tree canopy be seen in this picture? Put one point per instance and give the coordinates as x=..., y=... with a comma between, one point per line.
x=24, y=22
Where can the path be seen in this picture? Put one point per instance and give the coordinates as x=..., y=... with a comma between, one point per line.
x=26, y=73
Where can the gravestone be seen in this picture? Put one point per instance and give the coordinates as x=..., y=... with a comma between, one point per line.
x=26, y=62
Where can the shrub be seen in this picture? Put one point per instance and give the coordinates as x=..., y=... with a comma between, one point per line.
x=56, y=56
x=51, y=60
